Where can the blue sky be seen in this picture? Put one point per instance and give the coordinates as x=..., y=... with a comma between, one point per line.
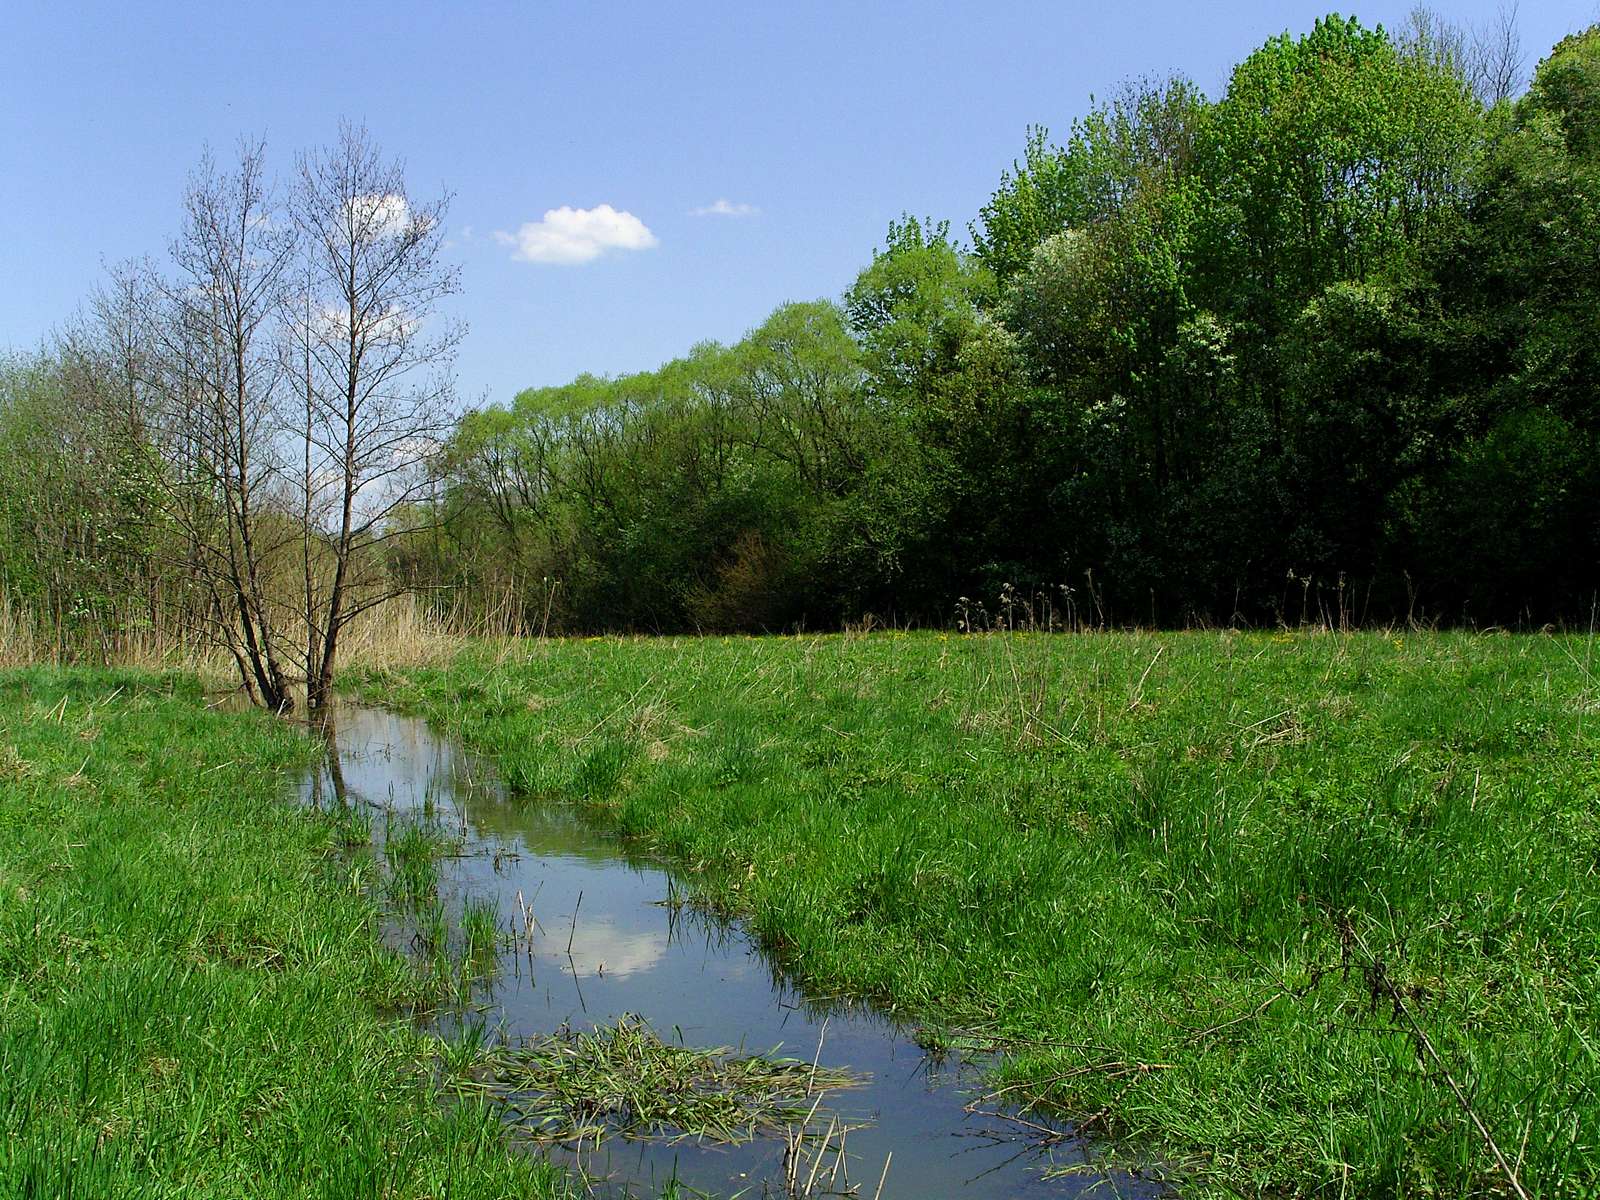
x=816, y=123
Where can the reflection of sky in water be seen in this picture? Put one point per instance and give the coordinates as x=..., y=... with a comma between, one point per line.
x=605, y=946
x=606, y=950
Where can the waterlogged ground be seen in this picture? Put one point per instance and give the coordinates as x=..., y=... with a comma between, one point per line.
x=1205, y=888
x=605, y=946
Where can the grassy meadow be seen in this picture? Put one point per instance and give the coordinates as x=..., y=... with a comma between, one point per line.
x=193, y=997
x=1286, y=913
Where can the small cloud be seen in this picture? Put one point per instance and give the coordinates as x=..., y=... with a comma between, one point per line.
x=393, y=324
x=604, y=949
x=725, y=208
x=381, y=216
x=577, y=235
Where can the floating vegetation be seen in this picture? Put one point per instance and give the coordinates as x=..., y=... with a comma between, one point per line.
x=622, y=1080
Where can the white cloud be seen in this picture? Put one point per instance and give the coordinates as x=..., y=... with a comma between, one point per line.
x=602, y=948
x=577, y=235
x=376, y=216
x=393, y=324
x=724, y=208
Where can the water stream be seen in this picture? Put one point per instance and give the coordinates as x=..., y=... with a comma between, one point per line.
x=619, y=950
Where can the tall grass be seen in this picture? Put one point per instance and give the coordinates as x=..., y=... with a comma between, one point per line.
x=1309, y=913
x=125, y=638
x=403, y=630
x=192, y=990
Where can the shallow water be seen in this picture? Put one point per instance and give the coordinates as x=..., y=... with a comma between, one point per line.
x=606, y=946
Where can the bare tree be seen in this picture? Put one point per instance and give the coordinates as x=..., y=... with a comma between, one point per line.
x=1498, y=63
x=219, y=383
x=1488, y=59
x=1433, y=38
x=282, y=387
x=373, y=379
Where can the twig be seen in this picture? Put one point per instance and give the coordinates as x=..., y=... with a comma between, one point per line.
x=1047, y=1135
x=619, y=708
x=816, y=1159
x=821, y=1034
x=889, y=1158
x=1138, y=691
x=1425, y=1051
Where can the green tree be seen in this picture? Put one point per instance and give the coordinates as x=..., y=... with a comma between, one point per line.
x=1504, y=521
x=1143, y=136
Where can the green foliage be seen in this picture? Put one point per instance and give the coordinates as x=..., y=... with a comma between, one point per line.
x=1201, y=361
x=738, y=487
x=80, y=530
x=915, y=306
x=1141, y=138
x=1331, y=157
x=1567, y=87
x=1354, y=420
x=1505, y=515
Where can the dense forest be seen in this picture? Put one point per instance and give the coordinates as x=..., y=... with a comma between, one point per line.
x=1322, y=348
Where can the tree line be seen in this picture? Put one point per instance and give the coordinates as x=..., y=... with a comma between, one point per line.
x=1320, y=348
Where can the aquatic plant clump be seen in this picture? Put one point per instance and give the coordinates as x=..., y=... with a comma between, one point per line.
x=623, y=1080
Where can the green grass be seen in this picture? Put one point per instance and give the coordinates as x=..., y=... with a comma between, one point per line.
x=1206, y=888
x=193, y=999
x=480, y=929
